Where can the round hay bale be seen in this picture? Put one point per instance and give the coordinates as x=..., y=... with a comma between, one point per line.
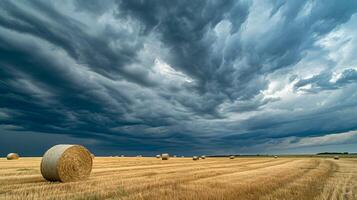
x=195, y=158
x=66, y=163
x=336, y=157
x=275, y=156
x=12, y=156
x=231, y=157
x=122, y=156
x=165, y=156
x=158, y=156
x=203, y=157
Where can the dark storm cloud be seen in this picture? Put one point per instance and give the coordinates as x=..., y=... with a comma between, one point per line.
x=324, y=81
x=172, y=75
x=70, y=35
x=188, y=30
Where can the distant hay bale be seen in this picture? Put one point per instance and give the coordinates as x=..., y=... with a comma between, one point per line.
x=203, y=157
x=275, y=156
x=195, y=158
x=66, y=163
x=175, y=156
x=165, y=156
x=336, y=157
x=121, y=155
x=158, y=156
x=182, y=156
x=12, y=156
x=231, y=157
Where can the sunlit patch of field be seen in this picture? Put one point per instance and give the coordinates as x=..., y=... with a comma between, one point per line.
x=183, y=178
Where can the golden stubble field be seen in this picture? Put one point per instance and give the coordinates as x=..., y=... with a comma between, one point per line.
x=183, y=178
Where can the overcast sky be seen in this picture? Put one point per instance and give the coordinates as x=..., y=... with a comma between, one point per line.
x=184, y=77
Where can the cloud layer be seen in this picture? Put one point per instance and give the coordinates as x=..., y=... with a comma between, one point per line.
x=182, y=76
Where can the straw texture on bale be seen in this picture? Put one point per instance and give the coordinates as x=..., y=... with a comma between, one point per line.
x=194, y=158
x=231, y=157
x=165, y=156
x=158, y=156
x=12, y=156
x=66, y=163
x=92, y=155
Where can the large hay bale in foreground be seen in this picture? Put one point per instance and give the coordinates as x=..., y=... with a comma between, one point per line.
x=158, y=156
x=165, y=156
x=195, y=158
x=231, y=157
x=66, y=163
x=12, y=156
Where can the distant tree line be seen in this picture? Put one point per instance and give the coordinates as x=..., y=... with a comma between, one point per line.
x=328, y=153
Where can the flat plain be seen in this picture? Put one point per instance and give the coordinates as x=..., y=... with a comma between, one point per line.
x=182, y=178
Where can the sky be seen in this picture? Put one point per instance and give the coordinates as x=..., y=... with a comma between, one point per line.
x=184, y=77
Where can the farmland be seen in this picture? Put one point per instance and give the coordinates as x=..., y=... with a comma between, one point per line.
x=183, y=178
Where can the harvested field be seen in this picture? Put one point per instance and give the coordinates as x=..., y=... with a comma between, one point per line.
x=183, y=178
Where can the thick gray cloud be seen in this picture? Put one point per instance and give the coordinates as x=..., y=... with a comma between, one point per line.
x=324, y=81
x=179, y=76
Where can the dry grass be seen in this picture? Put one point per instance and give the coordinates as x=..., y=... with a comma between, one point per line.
x=183, y=178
